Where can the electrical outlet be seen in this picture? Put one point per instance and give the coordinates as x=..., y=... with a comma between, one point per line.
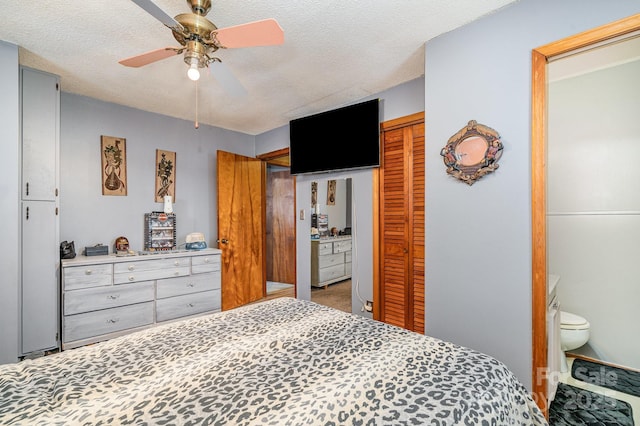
x=368, y=306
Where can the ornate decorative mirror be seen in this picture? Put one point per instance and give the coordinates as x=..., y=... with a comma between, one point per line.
x=472, y=152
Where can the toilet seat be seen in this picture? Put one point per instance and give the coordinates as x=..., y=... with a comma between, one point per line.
x=569, y=321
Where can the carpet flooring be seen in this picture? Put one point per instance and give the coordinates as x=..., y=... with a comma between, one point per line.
x=606, y=376
x=573, y=406
x=337, y=295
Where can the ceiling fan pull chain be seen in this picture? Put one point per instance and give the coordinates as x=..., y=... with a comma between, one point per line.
x=196, y=123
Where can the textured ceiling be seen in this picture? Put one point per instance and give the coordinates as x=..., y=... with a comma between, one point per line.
x=335, y=53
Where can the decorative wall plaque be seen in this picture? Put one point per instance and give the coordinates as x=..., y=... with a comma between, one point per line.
x=114, y=165
x=165, y=175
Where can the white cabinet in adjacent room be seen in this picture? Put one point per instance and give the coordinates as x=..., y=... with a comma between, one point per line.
x=330, y=260
x=39, y=304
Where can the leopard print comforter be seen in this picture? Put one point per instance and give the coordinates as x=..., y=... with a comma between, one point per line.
x=280, y=362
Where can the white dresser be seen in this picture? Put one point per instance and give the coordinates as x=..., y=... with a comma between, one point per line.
x=330, y=260
x=107, y=296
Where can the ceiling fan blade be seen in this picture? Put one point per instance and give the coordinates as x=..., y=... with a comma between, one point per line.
x=259, y=33
x=152, y=9
x=226, y=78
x=149, y=57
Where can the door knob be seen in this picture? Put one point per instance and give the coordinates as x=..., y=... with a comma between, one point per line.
x=223, y=241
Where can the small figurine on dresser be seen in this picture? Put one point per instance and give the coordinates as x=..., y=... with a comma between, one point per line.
x=122, y=246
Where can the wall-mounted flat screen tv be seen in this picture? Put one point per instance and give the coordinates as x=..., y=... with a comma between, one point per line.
x=340, y=139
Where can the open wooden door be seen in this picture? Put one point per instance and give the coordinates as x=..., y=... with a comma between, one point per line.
x=241, y=233
x=281, y=227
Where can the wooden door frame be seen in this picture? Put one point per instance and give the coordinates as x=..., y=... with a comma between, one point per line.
x=540, y=58
x=280, y=157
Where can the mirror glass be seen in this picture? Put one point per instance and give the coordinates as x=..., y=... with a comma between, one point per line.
x=471, y=150
x=331, y=243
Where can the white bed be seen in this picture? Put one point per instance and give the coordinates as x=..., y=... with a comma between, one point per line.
x=280, y=362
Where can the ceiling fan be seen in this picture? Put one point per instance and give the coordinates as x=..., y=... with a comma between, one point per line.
x=199, y=39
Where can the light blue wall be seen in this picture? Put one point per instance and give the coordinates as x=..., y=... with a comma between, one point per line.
x=397, y=102
x=88, y=217
x=9, y=200
x=478, y=239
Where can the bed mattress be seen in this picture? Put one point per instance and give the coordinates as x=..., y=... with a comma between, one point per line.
x=280, y=362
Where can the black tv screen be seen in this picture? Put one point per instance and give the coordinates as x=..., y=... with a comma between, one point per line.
x=340, y=139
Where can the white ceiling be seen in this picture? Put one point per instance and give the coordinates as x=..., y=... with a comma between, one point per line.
x=335, y=52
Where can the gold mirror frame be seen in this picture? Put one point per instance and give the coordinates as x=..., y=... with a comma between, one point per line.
x=472, y=152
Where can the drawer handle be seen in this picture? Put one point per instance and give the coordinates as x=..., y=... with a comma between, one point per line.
x=206, y=260
x=88, y=272
x=176, y=273
x=190, y=305
x=112, y=320
x=131, y=278
x=131, y=267
x=113, y=296
x=191, y=285
x=176, y=263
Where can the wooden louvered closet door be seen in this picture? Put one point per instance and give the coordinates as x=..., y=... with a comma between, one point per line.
x=402, y=222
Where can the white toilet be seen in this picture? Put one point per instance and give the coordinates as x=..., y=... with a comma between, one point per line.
x=574, y=332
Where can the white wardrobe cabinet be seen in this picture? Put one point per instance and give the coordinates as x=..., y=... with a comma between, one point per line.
x=39, y=248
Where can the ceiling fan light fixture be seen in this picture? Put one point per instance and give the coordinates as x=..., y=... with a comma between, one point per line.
x=193, y=73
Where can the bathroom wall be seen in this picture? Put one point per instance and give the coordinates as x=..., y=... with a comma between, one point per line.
x=594, y=206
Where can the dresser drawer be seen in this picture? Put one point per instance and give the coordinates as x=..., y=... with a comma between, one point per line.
x=93, y=299
x=151, y=265
x=146, y=270
x=341, y=246
x=190, y=304
x=75, y=277
x=203, y=264
x=90, y=324
x=325, y=248
x=330, y=260
x=332, y=272
x=185, y=285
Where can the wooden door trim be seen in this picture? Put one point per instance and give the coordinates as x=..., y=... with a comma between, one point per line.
x=405, y=121
x=277, y=157
x=280, y=157
x=377, y=297
x=539, y=107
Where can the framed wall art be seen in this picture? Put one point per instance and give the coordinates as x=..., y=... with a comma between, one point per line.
x=165, y=175
x=314, y=194
x=331, y=192
x=113, y=152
